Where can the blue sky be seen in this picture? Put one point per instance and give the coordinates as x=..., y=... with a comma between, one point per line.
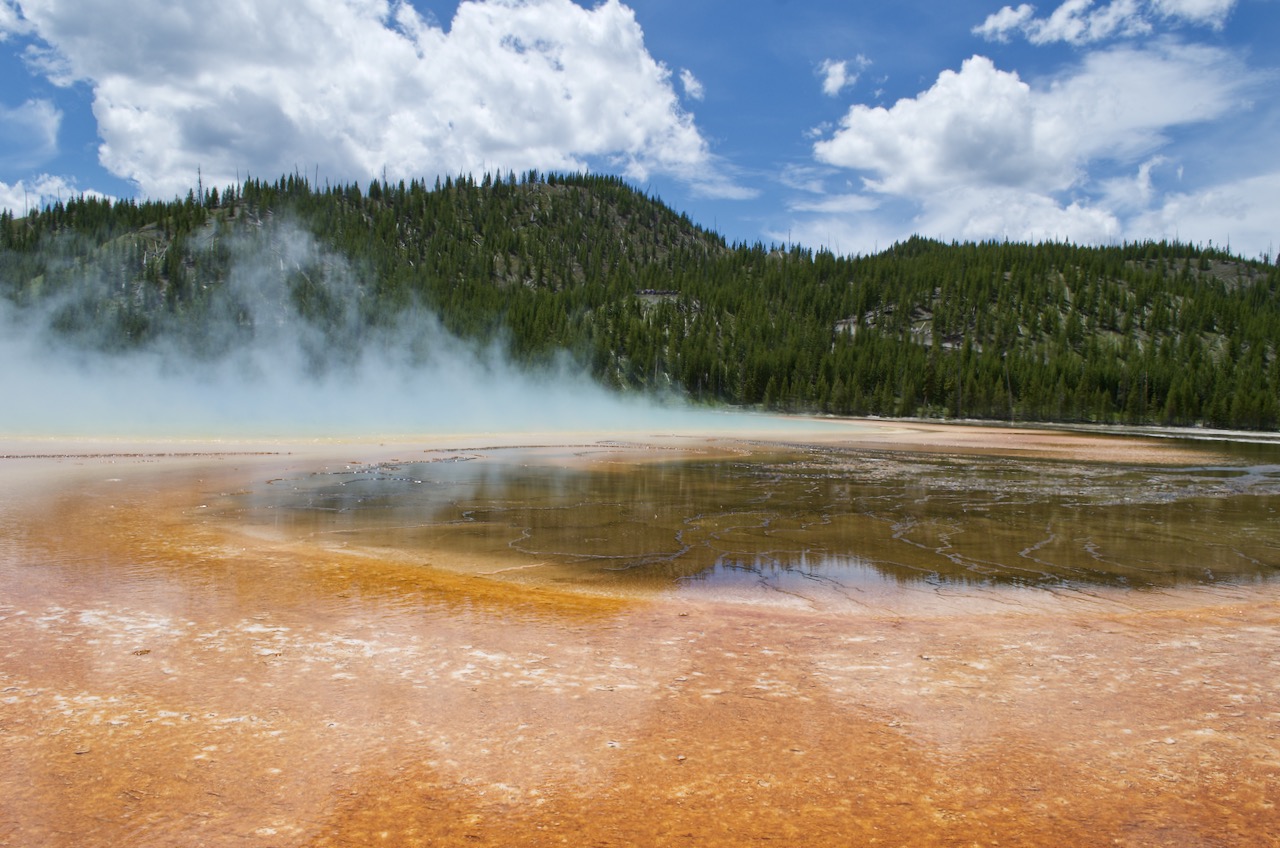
x=840, y=124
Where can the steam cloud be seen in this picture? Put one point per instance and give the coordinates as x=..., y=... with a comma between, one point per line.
x=255, y=367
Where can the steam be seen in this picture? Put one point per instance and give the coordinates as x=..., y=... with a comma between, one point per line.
x=284, y=348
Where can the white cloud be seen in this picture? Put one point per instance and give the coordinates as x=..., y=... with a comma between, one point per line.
x=11, y=22
x=1004, y=213
x=1133, y=192
x=720, y=186
x=852, y=224
x=806, y=178
x=353, y=87
x=973, y=125
x=838, y=203
x=25, y=195
x=1121, y=102
x=999, y=25
x=692, y=86
x=837, y=75
x=1207, y=12
x=1079, y=22
x=28, y=134
x=1243, y=213
x=842, y=234
x=1084, y=22
x=983, y=127
x=984, y=154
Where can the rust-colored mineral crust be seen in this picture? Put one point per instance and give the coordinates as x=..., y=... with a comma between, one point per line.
x=175, y=674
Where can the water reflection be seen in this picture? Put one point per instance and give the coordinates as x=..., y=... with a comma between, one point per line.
x=799, y=518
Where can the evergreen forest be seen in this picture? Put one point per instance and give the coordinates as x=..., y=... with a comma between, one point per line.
x=549, y=266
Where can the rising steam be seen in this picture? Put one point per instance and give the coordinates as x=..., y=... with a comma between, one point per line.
x=283, y=349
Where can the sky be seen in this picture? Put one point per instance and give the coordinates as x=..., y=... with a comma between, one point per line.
x=833, y=124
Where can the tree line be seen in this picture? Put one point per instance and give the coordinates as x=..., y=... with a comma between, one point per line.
x=646, y=300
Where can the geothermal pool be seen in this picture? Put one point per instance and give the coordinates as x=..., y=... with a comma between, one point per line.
x=809, y=525
x=876, y=634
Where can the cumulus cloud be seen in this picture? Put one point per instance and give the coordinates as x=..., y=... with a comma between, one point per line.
x=1017, y=216
x=1133, y=192
x=25, y=195
x=974, y=124
x=984, y=127
x=838, y=75
x=850, y=224
x=355, y=87
x=1244, y=214
x=11, y=21
x=983, y=153
x=835, y=76
x=843, y=233
x=28, y=134
x=1085, y=22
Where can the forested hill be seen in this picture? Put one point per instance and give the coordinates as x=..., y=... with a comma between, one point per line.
x=1152, y=333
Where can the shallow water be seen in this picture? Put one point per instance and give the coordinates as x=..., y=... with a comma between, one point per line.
x=806, y=522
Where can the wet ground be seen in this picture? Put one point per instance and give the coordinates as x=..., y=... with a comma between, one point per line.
x=682, y=642
x=821, y=524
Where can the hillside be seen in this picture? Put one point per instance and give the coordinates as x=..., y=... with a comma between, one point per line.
x=641, y=297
